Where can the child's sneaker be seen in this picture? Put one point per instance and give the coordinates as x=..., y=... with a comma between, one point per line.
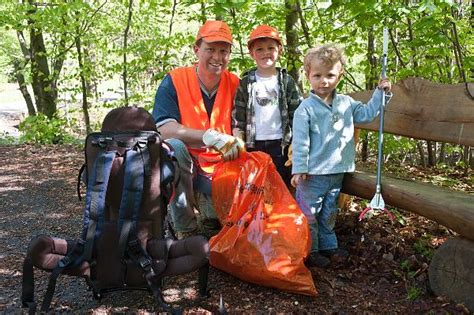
x=335, y=252
x=317, y=260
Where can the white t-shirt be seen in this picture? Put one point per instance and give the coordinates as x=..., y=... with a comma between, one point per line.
x=267, y=111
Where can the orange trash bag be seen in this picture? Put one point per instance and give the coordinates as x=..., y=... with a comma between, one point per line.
x=265, y=236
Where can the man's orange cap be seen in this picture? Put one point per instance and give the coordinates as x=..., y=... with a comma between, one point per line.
x=263, y=31
x=215, y=31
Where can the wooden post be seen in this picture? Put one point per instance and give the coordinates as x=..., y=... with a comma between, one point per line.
x=451, y=271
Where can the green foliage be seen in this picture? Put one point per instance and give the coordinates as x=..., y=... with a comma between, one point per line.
x=407, y=267
x=395, y=148
x=423, y=248
x=398, y=215
x=42, y=130
x=414, y=292
x=6, y=140
x=407, y=274
x=8, y=53
x=161, y=37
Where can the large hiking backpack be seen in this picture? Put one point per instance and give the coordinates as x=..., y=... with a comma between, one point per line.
x=130, y=177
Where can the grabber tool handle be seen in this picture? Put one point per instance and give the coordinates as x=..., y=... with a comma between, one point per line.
x=385, y=52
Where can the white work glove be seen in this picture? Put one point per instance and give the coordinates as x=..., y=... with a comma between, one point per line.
x=229, y=146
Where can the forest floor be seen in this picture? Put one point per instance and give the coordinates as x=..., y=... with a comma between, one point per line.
x=385, y=273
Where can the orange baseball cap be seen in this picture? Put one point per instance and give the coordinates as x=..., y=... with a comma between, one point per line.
x=215, y=31
x=263, y=31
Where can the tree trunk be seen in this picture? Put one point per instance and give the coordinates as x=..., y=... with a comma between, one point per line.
x=203, y=14
x=413, y=49
x=304, y=25
x=399, y=59
x=91, y=80
x=364, y=153
x=23, y=89
x=19, y=74
x=170, y=32
x=442, y=153
x=431, y=148
x=292, y=39
x=125, y=46
x=372, y=60
x=44, y=94
x=421, y=152
x=85, y=105
x=457, y=50
x=471, y=157
x=465, y=158
x=239, y=37
x=44, y=81
x=451, y=270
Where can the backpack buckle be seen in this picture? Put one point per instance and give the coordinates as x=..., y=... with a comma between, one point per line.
x=142, y=143
x=102, y=142
x=63, y=263
x=144, y=262
x=134, y=245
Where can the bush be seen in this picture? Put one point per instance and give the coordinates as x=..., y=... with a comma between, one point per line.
x=42, y=130
x=6, y=139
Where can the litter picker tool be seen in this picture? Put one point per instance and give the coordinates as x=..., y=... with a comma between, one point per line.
x=377, y=202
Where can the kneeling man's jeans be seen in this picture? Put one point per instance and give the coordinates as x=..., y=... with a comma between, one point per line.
x=183, y=204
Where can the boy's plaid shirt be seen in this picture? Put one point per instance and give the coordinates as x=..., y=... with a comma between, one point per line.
x=243, y=114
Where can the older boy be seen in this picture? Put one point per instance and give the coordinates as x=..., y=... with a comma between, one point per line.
x=323, y=146
x=266, y=100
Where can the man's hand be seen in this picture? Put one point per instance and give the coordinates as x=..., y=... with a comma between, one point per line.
x=227, y=145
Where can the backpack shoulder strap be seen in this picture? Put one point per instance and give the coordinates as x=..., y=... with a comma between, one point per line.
x=132, y=192
x=72, y=258
x=93, y=218
x=95, y=199
x=79, y=180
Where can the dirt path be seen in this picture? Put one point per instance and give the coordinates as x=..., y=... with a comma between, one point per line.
x=12, y=109
x=384, y=274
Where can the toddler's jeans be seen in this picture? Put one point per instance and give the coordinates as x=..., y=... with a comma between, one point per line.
x=317, y=197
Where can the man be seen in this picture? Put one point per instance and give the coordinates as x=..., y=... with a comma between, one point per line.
x=192, y=110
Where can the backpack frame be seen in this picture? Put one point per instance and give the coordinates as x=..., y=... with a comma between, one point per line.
x=130, y=175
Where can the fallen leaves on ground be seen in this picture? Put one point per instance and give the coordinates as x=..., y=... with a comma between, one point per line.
x=385, y=273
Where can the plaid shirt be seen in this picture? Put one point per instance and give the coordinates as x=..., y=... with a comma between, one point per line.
x=243, y=114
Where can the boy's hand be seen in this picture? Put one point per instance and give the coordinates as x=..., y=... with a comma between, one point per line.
x=290, y=156
x=296, y=178
x=384, y=84
x=236, y=132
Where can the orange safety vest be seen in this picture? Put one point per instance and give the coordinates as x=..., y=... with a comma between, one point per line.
x=193, y=111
